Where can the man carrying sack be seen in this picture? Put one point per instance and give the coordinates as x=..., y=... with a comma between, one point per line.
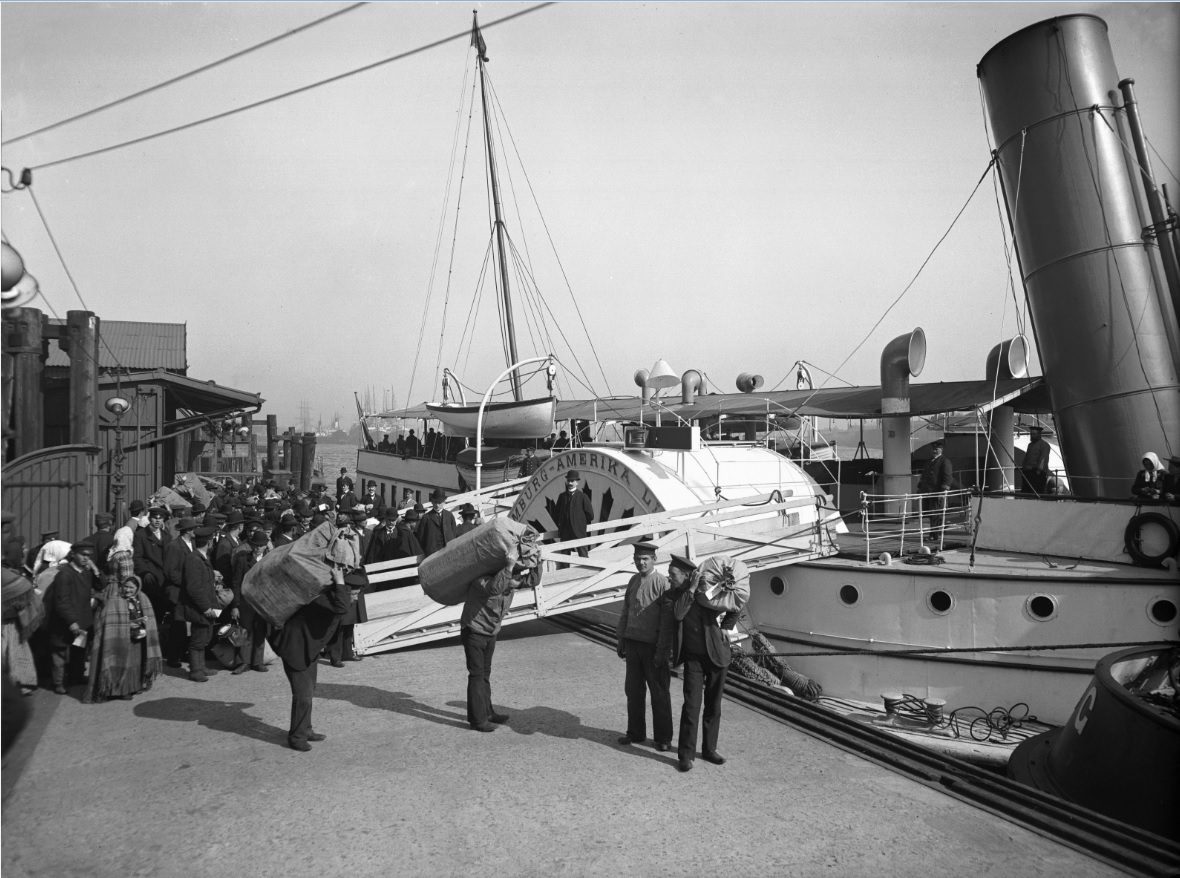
x=488, y=600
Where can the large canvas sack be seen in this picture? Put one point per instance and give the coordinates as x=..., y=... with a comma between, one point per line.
x=488, y=549
x=290, y=576
x=724, y=584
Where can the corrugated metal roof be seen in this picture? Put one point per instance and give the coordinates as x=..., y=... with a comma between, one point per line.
x=134, y=345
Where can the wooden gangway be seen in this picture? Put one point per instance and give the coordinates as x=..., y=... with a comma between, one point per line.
x=758, y=530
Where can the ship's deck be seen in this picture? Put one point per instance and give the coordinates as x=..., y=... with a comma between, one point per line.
x=196, y=780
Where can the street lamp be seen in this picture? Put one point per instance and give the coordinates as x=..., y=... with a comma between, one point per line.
x=118, y=406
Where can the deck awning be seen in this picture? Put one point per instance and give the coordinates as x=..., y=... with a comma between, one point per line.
x=205, y=397
x=1025, y=395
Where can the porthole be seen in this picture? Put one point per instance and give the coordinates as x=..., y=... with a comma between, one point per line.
x=1161, y=611
x=1041, y=607
x=849, y=594
x=940, y=602
x=778, y=586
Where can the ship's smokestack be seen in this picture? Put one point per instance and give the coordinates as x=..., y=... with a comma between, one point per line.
x=1087, y=271
x=1008, y=359
x=901, y=359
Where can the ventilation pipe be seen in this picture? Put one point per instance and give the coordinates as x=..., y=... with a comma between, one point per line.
x=748, y=382
x=641, y=383
x=691, y=383
x=1008, y=359
x=901, y=359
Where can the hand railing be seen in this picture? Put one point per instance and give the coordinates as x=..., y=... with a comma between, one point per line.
x=919, y=518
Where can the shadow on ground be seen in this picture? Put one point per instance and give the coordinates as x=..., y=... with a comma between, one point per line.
x=220, y=716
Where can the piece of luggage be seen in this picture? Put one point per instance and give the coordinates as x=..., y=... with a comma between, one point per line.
x=724, y=584
x=290, y=576
x=488, y=549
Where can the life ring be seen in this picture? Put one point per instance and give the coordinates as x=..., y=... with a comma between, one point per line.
x=1132, y=539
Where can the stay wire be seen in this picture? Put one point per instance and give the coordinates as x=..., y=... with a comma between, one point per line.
x=117, y=101
x=465, y=34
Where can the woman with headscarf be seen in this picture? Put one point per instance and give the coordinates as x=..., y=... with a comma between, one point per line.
x=119, y=563
x=23, y=613
x=125, y=658
x=1149, y=480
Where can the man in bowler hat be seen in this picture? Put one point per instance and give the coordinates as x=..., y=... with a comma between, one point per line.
x=438, y=526
x=573, y=512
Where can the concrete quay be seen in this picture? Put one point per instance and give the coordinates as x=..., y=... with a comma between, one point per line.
x=195, y=780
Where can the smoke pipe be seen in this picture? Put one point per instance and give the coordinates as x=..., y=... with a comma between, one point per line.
x=1008, y=359
x=901, y=359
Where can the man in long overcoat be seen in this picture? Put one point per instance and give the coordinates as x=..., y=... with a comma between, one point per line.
x=69, y=613
x=574, y=512
x=437, y=527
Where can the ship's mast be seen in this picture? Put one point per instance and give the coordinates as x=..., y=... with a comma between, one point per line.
x=510, y=353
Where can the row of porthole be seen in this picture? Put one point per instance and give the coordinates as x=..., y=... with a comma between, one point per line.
x=1038, y=607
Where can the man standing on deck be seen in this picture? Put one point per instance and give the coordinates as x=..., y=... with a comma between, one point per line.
x=1035, y=467
x=529, y=465
x=438, y=525
x=937, y=476
x=637, y=635
x=574, y=512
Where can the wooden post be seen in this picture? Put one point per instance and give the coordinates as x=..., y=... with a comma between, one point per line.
x=25, y=342
x=272, y=442
x=295, y=461
x=81, y=343
x=308, y=461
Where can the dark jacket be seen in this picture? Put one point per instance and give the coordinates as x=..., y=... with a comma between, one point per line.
x=300, y=641
x=490, y=597
x=148, y=551
x=435, y=530
x=716, y=641
x=222, y=557
x=573, y=513
x=198, y=593
x=937, y=475
x=69, y=604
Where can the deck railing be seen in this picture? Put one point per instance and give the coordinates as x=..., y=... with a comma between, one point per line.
x=893, y=520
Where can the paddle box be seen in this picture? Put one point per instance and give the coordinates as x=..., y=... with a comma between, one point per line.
x=290, y=576
x=488, y=549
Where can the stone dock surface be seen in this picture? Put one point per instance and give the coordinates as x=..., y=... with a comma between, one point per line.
x=195, y=780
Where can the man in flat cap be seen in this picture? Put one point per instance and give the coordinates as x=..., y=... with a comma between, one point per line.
x=937, y=478
x=149, y=545
x=700, y=643
x=573, y=512
x=171, y=613
x=69, y=614
x=637, y=635
x=198, y=600
x=1034, y=469
x=437, y=527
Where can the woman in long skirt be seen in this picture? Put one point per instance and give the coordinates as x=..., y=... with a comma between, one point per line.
x=125, y=658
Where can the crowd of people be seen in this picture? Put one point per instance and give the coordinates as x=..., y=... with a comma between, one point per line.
x=110, y=609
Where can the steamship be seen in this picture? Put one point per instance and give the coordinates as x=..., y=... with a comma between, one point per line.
x=985, y=602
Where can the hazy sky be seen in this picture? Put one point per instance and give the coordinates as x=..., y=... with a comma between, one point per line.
x=729, y=186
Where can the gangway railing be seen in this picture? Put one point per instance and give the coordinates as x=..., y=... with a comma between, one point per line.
x=893, y=519
x=755, y=531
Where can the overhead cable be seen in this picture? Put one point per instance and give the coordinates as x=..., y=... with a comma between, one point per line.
x=181, y=77
x=464, y=34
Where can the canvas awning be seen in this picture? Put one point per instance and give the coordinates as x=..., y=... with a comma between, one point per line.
x=1025, y=395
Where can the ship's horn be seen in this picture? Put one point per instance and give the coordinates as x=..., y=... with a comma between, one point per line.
x=691, y=383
